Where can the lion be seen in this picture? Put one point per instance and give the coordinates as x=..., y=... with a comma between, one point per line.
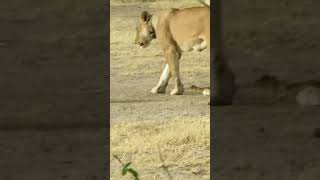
x=177, y=31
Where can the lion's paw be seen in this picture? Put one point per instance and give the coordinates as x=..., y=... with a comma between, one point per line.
x=177, y=91
x=158, y=90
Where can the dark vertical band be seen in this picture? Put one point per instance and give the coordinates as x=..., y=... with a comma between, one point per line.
x=215, y=28
x=107, y=98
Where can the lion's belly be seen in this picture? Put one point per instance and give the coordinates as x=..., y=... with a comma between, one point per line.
x=194, y=45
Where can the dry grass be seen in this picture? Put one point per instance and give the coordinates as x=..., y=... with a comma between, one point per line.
x=184, y=145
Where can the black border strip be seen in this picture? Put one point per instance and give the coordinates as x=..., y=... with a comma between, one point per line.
x=107, y=75
x=215, y=14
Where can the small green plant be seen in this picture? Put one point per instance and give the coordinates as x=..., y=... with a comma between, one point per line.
x=126, y=169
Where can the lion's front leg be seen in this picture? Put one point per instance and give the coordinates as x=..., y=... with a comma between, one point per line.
x=163, y=82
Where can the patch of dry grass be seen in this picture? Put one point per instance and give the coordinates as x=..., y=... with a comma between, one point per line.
x=184, y=145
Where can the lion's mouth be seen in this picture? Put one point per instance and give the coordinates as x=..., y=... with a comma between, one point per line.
x=143, y=45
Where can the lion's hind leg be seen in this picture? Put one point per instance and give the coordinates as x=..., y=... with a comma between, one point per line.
x=173, y=56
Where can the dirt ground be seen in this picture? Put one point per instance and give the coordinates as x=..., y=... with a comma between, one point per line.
x=273, y=48
x=135, y=71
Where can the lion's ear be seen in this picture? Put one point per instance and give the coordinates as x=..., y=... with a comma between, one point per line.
x=145, y=16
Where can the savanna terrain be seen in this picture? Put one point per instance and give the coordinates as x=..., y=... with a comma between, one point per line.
x=163, y=136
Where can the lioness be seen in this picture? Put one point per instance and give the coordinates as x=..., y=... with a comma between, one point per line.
x=177, y=31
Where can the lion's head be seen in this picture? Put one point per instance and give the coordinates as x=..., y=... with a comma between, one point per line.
x=145, y=31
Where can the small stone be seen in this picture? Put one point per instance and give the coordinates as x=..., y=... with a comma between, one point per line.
x=196, y=170
x=206, y=92
x=309, y=96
